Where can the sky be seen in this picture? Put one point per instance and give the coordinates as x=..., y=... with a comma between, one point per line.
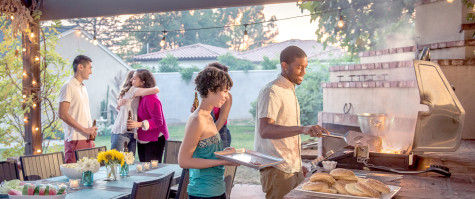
x=298, y=28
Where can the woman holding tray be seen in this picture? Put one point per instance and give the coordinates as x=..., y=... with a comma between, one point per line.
x=202, y=138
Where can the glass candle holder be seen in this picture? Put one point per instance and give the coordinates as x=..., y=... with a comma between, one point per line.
x=74, y=183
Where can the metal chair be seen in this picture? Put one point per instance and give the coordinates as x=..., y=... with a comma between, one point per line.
x=159, y=188
x=181, y=193
x=90, y=153
x=36, y=167
x=8, y=170
x=229, y=174
x=171, y=151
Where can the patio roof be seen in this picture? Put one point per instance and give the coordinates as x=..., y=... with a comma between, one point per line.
x=66, y=9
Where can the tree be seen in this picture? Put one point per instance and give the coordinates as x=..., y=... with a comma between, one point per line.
x=169, y=64
x=236, y=64
x=269, y=64
x=11, y=75
x=104, y=29
x=229, y=37
x=366, y=22
x=187, y=73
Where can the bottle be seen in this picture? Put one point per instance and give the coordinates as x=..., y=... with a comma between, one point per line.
x=93, y=137
x=129, y=118
x=196, y=102
x=125, y=147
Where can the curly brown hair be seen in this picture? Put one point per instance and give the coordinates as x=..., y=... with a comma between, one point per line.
x=212, y=79
x=218, y=66
x=147, y=77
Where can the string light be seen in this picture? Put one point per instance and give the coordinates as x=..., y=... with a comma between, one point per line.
x=24, y=96
x=450, y=1
x=38, y=151
x=78, y=32
x=25, y=119
x=12, y=17
x=37, y=58
x=33, y=82
x=163, y=41
x=36, y=129
x=24, y=74
x=340, y=22
x=23, y=49
x=34, y=105
x=94, y=41
x=32, y=35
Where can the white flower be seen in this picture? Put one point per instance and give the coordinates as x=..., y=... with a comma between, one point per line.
x=88, y=164
x=129, y=158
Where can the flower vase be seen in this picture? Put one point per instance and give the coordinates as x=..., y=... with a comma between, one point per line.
x=111, y=172
x=87, y=178
x=124, y=170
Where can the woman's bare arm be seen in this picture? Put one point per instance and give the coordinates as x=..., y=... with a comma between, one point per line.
x=146, y=91
x=224, y=112
x=193, y=131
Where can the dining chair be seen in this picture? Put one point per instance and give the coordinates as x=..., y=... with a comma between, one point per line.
x=229, y=174
x=90, y=153
x=36, y=167
x=8, y=170
x=172, y=147
x=157, y=189
x=181, y=192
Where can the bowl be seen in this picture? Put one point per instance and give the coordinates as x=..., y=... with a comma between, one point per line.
x=70, y=171
x=329, y=165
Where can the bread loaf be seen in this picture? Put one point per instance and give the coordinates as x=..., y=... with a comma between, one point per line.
x=324, y=177
x=343, y=174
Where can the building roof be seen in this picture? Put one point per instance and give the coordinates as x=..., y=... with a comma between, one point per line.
x=191, y=52
x=312, y=48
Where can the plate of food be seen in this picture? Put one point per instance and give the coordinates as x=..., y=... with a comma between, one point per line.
x=343, y=183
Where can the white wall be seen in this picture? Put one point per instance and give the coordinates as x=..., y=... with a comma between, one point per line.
x=104, y=67
x=177, y=95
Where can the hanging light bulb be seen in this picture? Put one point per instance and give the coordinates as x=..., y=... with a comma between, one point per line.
x=94, y=40
x=341, y=23
x=36, y=129
x=23, y=49
x=25, y=119
x=450, y=1
x=37, y=58
x=163, y=41
x=24, y=74
x=77, y=32
x=32, y=35
x=12, y=17
x=246, y=37
x=34, y=105
x=33, y=82
x=38, y=151
x=24, y=96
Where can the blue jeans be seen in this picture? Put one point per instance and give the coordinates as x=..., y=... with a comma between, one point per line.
x=118, y=141
x=225, y=136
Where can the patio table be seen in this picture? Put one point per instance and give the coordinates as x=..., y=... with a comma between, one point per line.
x=121, y=188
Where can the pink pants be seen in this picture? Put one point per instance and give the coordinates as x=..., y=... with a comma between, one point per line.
x=71, y=146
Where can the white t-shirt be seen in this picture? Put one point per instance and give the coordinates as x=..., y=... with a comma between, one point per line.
x=75, y=93
x=277, y=101
x=132, y=104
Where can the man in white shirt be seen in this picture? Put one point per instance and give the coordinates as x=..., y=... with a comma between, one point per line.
x=278, y=129
x=74, y=110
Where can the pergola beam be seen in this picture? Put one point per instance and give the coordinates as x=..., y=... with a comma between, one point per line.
x=67, y=9
x=32, y=88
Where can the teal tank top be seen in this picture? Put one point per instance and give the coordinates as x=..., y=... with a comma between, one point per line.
x=207, y=182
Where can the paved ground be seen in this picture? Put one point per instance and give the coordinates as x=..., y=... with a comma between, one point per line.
x=247, y=191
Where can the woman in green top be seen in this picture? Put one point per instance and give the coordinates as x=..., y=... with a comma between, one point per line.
x=202, y=138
